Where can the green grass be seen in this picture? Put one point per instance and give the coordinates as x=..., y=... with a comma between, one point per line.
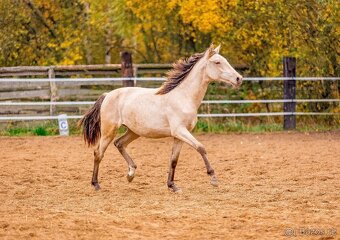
x=28, y=131
x=40, y=131
x=15, y=132
x=205, y=125
x=235, y=126
x=218, y=126
x=40, y=128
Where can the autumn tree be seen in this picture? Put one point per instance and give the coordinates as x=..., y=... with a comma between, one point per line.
x=254, y=33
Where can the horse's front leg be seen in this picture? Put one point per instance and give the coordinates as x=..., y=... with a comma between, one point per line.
x=184, y=135
x=176, y=149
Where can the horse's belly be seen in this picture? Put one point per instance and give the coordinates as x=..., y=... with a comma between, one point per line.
x=146, y=128
x=152, y=133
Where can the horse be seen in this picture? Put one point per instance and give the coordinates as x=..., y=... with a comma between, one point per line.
x=168, y=111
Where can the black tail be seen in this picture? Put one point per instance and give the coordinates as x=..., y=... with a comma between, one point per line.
x=91, y=122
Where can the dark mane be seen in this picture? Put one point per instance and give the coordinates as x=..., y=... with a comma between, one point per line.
x=180, y=71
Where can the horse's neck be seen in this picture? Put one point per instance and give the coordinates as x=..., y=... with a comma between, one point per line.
x=194, y=87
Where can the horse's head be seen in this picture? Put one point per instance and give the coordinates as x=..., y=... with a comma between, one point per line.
x=218, y=68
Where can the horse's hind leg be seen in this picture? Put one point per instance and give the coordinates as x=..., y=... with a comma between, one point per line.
x=121, y=143
x=106, y=138
x=176, y=149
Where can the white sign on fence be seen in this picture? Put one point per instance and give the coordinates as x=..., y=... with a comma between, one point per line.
x=63, y=125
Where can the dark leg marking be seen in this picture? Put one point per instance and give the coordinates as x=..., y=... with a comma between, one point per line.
x=184, y=135
x=210, y=170
x=176, y=149
x=98, y=156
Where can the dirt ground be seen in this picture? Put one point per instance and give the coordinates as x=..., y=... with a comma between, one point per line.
x=272, y=186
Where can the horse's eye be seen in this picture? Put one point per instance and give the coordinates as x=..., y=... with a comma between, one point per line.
x=217, y=62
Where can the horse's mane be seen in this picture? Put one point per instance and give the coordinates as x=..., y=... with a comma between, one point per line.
x=180, y=70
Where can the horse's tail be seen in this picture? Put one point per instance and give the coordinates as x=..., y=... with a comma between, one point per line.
x=91, y=122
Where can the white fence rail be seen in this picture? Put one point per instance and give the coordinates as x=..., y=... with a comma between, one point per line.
x=74, y=103
x=157, y=79
x=22, y=118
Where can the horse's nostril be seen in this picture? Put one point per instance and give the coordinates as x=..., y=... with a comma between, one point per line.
x=238, y=79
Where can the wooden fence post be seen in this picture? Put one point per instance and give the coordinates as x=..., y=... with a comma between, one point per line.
x=53, y=89
x=289, y=92
x=127, y=68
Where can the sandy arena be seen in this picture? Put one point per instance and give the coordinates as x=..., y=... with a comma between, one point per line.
x=272, y=186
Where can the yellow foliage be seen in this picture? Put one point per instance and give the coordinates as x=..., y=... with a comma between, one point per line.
x=257, y=33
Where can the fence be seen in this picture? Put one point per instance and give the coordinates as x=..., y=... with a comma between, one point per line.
x=80, y=81
x=53, y=88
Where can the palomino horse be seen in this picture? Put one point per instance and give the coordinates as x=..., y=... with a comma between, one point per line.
x=169, y=111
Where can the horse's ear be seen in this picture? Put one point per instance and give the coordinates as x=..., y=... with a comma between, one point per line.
x=217, y=50
x=210, y=51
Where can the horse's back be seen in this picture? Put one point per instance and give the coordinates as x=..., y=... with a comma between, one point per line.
x=131, y=95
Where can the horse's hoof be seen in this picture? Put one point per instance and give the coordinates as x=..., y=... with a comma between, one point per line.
x=96, y=186
x=178, y=191
x=175, y=189
x=130, y=178
x=214, y=182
